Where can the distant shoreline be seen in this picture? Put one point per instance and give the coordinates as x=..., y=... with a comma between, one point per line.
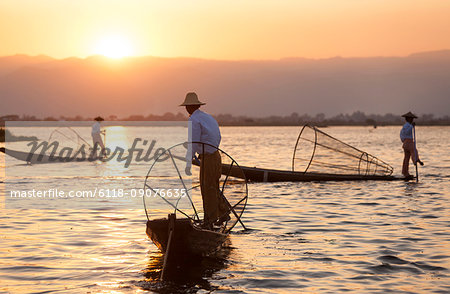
x=357, y=118
x=321, y=125
x=11, y=138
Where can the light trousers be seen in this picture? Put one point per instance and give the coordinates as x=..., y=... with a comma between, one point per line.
x=410, y=152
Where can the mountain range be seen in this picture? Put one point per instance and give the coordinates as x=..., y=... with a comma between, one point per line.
x=44, y=86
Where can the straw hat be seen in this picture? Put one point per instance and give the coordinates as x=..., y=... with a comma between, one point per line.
x=98, y=118
x=409, y=114
x=191, y=99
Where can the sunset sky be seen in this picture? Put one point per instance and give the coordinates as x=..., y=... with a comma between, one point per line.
x=251, y=29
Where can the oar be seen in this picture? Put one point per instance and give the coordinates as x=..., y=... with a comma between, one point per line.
x=104, y=142
x=171, y=221
x=416, y=159
x=104, y=138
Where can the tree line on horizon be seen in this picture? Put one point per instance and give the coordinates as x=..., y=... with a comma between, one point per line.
x=357, y=118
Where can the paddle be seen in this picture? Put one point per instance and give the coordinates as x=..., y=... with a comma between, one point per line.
x=104, y=142
x=171, y=219
x=416, y=159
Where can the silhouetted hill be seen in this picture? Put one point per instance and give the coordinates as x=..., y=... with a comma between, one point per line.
x=44, y=86
x=11, y=63
x=441, y=55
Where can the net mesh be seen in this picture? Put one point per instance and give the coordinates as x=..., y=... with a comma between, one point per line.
x=68, y=137
x=318, y=152
x=168, y=175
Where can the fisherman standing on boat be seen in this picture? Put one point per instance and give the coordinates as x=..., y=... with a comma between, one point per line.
x=96, y=135
x=409, y=146
x=205, y=129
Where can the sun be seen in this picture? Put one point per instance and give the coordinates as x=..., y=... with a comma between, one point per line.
x=114, y=46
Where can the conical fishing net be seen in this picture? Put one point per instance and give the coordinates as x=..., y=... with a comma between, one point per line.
x=168, y=189
x=68, y=137
x=318, y=152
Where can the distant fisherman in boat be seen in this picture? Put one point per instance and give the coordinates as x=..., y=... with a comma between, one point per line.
x=409, y=148
x=205, y=129
x=96, y=135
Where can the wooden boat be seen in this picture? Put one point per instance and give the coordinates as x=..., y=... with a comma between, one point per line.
x=188, y=240
x=254, y=174
x=185, y=237
x=320, y=157
x=29, y=157
x=33, y=158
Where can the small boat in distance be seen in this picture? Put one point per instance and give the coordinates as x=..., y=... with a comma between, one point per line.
x=37, y=158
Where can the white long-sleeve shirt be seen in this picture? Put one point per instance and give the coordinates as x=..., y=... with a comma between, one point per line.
x=406, y=132
x=95, y=128
x=205, y=129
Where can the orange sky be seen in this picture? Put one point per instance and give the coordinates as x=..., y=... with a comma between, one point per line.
x=250, y=29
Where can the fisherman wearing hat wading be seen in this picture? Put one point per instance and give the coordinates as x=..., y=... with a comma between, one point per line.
x=409, y=148
x=205, y=129
x=96, y=138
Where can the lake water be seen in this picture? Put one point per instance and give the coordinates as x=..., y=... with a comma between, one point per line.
x=329, y=237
